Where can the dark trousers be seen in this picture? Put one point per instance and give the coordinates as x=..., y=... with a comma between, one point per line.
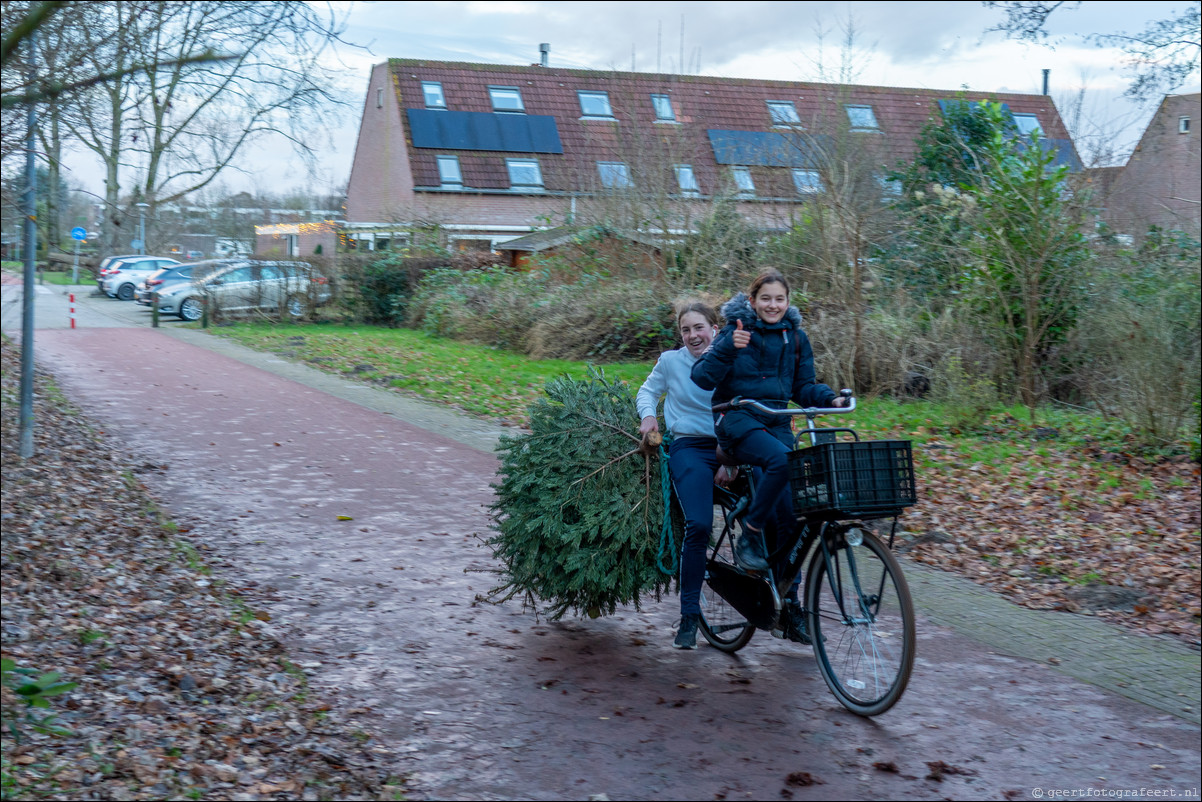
x=692, y=462
x=767, y=449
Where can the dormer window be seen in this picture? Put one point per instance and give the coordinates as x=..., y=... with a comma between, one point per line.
x=862, y=118
x=783, y=112
x=506, y=98
x=432, y=90
x=1183, y=125
x=595, y=106
x=664, y=113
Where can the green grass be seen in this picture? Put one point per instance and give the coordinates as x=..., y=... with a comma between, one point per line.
x=496, y=384
x=480, y=380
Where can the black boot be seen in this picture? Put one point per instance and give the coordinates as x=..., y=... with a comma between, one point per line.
x=750, y=554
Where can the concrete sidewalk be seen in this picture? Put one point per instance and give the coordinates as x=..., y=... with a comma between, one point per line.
x=1159, y=672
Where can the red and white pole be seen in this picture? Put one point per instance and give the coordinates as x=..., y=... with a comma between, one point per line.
x=72, y=310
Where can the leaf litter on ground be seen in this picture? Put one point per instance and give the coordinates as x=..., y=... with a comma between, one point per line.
x=182, y=692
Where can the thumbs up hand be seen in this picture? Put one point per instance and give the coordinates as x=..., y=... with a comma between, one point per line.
x=740, y=338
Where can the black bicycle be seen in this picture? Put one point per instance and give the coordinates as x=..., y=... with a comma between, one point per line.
x=854, y=600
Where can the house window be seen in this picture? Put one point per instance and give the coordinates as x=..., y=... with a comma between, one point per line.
x=862, y=118
x=614, y=175
x=686, y=180
x=1183, y=125
x=595, y=104
x=379, y=98
x=448, y=172
x=432, y=90
x=1027, y=124
x=663, y=109
x=807, y=181
x=743, y=182
x=506, y=98
x=524, y=174
x=783, y=112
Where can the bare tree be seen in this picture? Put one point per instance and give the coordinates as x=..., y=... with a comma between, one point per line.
x=1162, y=57
x=179, y=89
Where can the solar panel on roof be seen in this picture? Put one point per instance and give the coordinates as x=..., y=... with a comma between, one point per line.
x=478, y=130
x=765, y=148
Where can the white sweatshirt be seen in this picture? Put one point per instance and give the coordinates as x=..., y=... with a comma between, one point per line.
x=687, y=408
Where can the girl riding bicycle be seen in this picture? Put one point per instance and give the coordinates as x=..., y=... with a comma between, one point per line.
x=762, y=353
x=692, y=454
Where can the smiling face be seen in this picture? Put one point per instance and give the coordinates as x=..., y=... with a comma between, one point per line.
x=696, y=332
x=771, y=301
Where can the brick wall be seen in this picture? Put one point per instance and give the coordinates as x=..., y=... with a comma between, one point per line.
x=1160, y=183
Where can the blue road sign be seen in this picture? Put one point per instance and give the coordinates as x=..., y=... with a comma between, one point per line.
x=79, y=233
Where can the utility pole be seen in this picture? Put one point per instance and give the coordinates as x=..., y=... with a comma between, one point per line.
x=31, y=253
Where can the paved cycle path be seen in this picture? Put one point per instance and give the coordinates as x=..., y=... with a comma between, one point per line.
x=480, y=701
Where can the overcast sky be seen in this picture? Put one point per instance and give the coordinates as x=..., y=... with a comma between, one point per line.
x=935, y=45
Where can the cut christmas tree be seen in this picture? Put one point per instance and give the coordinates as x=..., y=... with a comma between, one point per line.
x=578, y=522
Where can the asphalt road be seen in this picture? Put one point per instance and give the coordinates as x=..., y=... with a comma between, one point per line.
x=260, y=460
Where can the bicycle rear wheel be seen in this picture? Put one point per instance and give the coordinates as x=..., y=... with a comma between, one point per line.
x=861, y=620
x=722, y=625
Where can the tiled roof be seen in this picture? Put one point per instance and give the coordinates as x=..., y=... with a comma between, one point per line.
x=701, y=104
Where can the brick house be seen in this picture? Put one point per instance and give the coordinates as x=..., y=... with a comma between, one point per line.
x=487, y=153
x=1159, y=185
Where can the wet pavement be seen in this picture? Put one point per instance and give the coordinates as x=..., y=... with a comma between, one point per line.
x=260, y=460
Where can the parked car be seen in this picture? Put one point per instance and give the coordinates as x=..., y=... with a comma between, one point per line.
x=123, y=281
x=160, y=279
x=108, y=264
x=240, y=286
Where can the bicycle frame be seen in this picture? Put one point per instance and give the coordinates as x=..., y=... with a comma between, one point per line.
x=805, y=530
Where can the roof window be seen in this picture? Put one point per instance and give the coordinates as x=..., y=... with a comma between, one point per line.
x=614, y=175
x=595, y=105
x=1183, y=125
x=449, y=175
x=743, y=181
x=506, y=98
x=686, y=180
x=1027, y=124
x=807, y=182
x=862, y=118
x=783, y=112
x=432, y=90
x=524, y=174
x=664, y=112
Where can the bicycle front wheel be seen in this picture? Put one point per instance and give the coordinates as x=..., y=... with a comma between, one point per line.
x=722, y=625
x=861, y=620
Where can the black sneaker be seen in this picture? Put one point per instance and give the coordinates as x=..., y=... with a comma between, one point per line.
x=794, y=623
x=686, y=636
x=749, y=553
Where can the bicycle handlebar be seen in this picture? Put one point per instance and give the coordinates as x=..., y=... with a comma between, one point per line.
x=809, y=412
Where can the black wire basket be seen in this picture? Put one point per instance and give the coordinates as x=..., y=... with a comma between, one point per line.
x=862, y=479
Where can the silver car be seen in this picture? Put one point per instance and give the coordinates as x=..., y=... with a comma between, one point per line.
x=241, y=286
x=125, y=275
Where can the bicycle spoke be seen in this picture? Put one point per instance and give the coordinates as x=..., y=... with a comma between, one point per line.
x=864, y=641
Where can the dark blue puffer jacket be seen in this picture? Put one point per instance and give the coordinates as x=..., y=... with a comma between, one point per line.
x=770, y=369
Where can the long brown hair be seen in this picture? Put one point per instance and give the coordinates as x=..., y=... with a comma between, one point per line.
x=767, y=277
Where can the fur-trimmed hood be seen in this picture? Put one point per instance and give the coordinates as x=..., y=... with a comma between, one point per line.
x=739, y=308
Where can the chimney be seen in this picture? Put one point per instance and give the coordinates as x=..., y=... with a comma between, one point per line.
x=1046, y=72
x=545, y=51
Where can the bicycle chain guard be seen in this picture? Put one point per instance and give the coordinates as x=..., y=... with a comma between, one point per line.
x=753, y=597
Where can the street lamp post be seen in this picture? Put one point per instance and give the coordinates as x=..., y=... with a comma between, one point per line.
x=142, y=207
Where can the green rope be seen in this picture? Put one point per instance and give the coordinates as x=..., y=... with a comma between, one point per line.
x=667, y=543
